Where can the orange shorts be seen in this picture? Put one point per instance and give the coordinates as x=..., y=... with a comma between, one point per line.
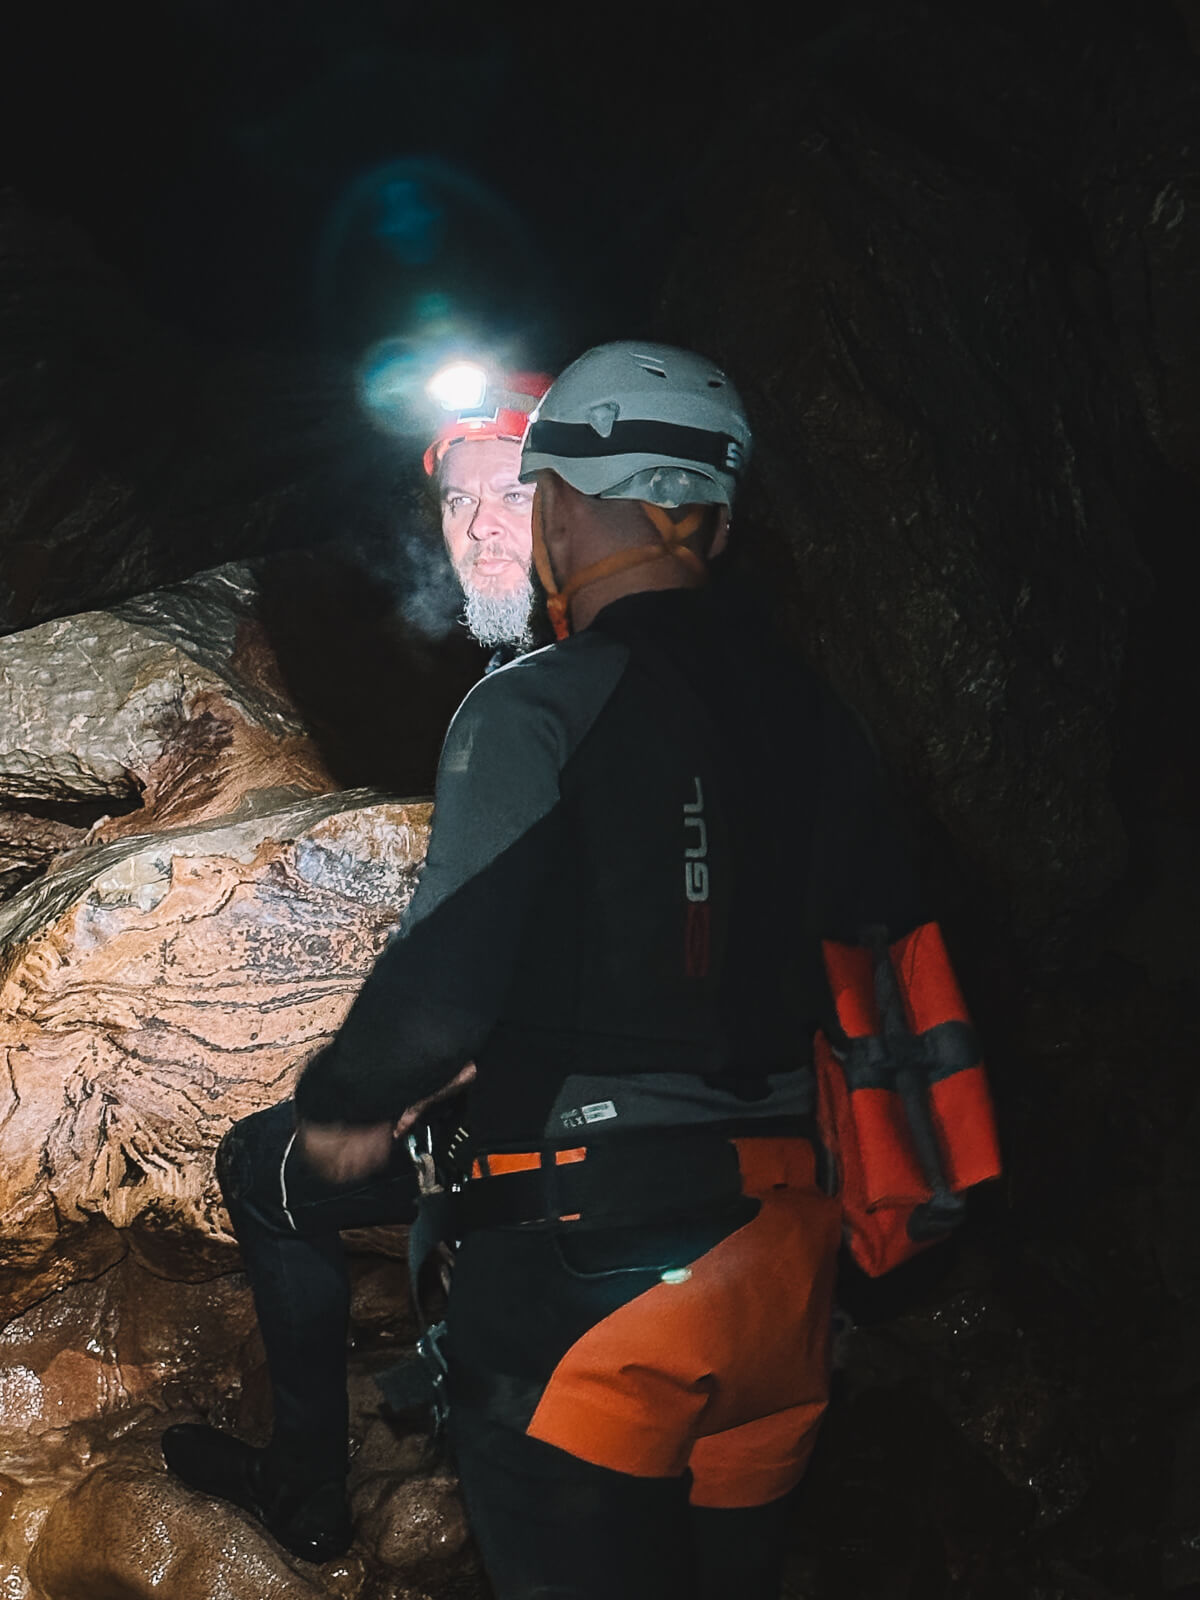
x=723, y=1368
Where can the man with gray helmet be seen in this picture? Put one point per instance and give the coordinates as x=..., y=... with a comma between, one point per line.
x=663, y=811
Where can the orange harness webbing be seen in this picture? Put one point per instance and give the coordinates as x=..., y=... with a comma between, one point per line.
x=671, y=533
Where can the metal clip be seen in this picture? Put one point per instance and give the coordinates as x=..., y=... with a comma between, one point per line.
x=429, y=1348
x=428, y=1180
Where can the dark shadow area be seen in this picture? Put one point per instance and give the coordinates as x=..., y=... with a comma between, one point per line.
x=377, y=694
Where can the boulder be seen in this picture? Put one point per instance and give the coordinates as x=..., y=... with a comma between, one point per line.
x=91, y=1375
x=102, y=1516
x=414, y=1527
x=117, y=1347
x=164, y=709
x=155, y=989
x=131, y=1532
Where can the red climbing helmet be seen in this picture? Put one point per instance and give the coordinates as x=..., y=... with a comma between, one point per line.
x=481, y=405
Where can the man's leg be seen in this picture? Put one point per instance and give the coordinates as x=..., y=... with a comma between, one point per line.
x=739, y=1553
x=554, y=1527
x=286, y=1220
x=620, y=1345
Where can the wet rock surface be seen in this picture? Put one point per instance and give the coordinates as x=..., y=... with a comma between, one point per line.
x=166, y=709
x=87, y=1507
x=157, y=989
x=113, y=1348
x=96, y=1512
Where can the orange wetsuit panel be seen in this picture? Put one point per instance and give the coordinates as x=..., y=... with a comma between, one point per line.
x=726, y=1372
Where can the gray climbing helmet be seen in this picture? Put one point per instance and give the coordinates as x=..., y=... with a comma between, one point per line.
x=642, y=421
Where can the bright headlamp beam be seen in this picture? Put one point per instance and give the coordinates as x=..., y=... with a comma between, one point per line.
x=461, y=386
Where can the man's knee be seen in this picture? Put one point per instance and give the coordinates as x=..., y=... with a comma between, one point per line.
x=253, y=1147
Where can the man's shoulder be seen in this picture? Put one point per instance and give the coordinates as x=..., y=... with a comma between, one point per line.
x=561, y=687
x=556, y=671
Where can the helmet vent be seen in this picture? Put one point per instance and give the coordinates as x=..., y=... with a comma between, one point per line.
x=655, y=372
x=603, y=416
x=716, y=383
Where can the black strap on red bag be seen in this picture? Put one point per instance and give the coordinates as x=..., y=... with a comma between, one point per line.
x=903, y=1101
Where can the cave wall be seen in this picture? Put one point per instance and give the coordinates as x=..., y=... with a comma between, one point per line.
x=956, y=274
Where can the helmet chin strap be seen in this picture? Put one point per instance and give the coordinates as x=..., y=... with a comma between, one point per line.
x=671, y=535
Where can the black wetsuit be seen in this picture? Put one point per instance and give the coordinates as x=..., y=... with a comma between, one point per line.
x=638, y=835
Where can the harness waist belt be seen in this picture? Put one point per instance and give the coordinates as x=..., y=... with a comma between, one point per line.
x=502, y=1162
x=612, y=1183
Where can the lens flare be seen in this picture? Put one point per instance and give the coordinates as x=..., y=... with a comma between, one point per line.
x=462, y=386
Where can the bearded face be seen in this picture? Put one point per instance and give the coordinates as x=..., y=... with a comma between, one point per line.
x=486, y=523
x=495, y=618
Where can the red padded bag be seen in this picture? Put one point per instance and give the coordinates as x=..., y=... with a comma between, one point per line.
x=903, y=1099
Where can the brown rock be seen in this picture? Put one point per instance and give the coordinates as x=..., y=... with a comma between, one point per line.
x=163, y=710
x=23, y=1512
x=29, y=842
x=91, y=1375
x=106, y=1351
x=154, y=990
x=414, y=1527
x=131, y=1532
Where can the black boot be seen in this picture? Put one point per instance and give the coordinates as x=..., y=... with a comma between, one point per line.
x=309, y=1518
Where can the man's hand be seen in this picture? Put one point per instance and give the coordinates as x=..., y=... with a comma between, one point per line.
x=343, y=1152
x=413, y=1114
x=340, y=1152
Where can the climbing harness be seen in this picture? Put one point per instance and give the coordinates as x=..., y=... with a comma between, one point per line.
x=429, y=1238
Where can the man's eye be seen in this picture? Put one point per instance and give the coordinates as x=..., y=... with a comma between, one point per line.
x=455, y=502
x=518, y=497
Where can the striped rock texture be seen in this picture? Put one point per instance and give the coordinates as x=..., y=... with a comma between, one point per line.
x=157, y=988
x=165, y=709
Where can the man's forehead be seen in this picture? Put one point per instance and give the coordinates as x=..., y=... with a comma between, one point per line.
x=495, y=463
x=465, y=483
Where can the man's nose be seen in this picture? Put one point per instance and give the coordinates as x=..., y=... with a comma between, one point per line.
x=485, y=524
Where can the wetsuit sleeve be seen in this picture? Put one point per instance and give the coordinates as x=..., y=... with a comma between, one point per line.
x=439, y=987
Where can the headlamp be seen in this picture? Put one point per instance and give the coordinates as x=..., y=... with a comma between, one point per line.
x=461, y=386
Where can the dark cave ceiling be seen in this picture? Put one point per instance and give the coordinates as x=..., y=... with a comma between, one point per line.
x=252, y=176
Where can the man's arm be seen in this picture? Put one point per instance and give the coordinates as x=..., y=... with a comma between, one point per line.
x=437, y=990
x=347, y=1154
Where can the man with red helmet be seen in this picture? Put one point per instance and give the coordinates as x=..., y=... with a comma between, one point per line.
x=287, y=1218
x=485, y=508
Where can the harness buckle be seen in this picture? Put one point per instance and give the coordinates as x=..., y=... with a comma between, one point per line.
x=428, y=1178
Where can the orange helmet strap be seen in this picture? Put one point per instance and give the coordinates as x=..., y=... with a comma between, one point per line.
x=671, y=532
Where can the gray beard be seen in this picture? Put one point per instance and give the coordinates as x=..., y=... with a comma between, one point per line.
x=502, y=618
